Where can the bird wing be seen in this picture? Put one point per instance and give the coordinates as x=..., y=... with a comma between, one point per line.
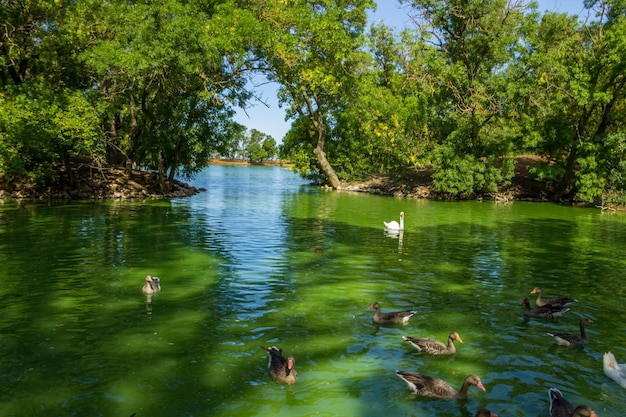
x=430, y=346
x=435, y=387
x=392, y=224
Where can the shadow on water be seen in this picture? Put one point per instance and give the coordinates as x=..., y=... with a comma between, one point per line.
x=76, y=339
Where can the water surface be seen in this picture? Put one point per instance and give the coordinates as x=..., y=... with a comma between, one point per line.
x=239, y=270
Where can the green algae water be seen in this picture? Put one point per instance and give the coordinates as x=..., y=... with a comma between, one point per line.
x=239, y=270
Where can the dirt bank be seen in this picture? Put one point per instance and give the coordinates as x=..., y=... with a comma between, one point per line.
x=417, y=183
x=91, y=183
x=113, y=183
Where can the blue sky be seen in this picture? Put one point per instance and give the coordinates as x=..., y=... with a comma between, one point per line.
x=271, y=120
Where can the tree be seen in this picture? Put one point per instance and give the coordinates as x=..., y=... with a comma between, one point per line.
x=234, y=146
x=260, y=146
x=36, y=45
x=314, y=53
x=474, y=83
x=269, y=147
x=44, y=116
x=465, y=50
x=163, y=78
x=167, y=88
x=39, y=127
x=579, y=104
x=381, y=127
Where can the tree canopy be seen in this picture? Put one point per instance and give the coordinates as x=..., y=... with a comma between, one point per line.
x=464, y=90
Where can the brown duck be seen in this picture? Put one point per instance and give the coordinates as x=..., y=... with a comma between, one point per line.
x=560, y=407
x=428, y=386
x=569, y=339
x=397, y=317
x=553, y=302
x=152, y=285
x=281, y=369
x=435, y=347
x=545, y=312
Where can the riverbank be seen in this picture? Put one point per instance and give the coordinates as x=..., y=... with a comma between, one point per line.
x=96, y=183
x=93, y=183
x=418, y=183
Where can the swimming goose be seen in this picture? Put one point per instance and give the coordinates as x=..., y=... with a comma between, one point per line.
x=152, y=285
x=428, y=386
x=569, y=339
x=435, y=347
x=483, y=412
x=544, y=312
x=560, y=407
x=555, y=301
x=614, y=370
x=281, y=369
x=394, y=225
x=392, y=317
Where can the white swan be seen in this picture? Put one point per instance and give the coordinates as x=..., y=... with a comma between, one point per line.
x=394, y=225
x=614, y=370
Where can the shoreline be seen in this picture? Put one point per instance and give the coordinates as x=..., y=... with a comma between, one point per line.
x=94, y=183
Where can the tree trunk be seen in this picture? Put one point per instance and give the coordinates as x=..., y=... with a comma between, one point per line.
x=134, y=135
x=565, y=185
x=317, y=118
x=162, y=173
x=325, y=165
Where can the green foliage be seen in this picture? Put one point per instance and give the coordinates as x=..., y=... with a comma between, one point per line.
x=471, y=85
x=465, y=176
x=617, y=160
x=380, y=130
x=39, y=127
x=269, y=147
x=579, y=99
x=589, y=182
x=465, y=51
x=613, y=198
x=260, y=146
x=300, y=152
x=546, y=171
x=161, y=72
x=314, y=54
x=604, y=179
x=35, y=43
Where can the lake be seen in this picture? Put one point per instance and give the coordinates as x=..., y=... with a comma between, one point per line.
x=239, y=270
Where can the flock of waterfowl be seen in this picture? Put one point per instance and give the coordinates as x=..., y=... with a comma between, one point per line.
x=425, y=385
x=556, y=307
x=283, y=369
x=548, y=309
